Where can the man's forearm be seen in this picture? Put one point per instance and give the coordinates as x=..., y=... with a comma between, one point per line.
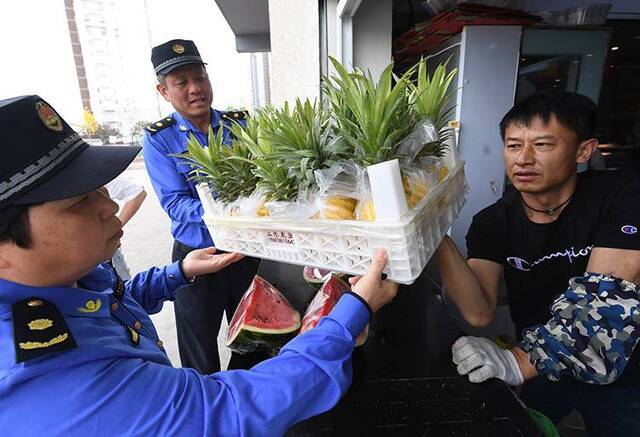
x=592, y=332
x=474, y=302
x=528, y=370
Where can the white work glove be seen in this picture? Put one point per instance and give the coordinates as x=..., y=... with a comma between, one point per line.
x=482, y=359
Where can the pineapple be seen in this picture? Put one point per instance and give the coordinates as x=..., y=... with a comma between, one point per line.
x=365, y=210
x=415, y=188
x=428, y=98
x=435, y=166
x=272, y=177
x=213, y=165
x=371, y=117
x=302, y=140
x=443, y=172
x=339, y=207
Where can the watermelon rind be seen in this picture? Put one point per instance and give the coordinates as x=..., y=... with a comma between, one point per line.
x=315, y=277
x=247, y=341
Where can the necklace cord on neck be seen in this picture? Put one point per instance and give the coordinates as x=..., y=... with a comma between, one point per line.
x=548, y=211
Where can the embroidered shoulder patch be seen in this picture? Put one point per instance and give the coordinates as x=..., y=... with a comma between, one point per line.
x=154, y=128
x=235, y=115
x=39, y=329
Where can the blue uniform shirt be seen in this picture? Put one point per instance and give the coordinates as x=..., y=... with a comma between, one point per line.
x=109, y=386
x=169, y=177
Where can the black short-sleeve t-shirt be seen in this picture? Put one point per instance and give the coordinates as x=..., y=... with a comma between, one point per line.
x=539, y=259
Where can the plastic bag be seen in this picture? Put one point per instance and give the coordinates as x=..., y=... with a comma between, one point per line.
x=210, y=204
x=264, y=320
x=425, y=132
x=365, y=210
x=304, y=207
x=250, y=206
x=435, y=166
x=323, y=302
x=339, y=188
x=417, y=183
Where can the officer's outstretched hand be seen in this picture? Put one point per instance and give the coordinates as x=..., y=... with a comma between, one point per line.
x=203, y=261
x=375, y=291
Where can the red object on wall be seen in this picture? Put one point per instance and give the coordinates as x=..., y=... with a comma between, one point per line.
x=424, y=36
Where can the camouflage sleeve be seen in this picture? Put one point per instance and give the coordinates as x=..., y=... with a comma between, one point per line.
x=594, y=327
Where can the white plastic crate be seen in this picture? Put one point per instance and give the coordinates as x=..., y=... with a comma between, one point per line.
x=346, y=245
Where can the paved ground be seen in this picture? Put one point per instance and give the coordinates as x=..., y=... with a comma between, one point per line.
x=147, y=242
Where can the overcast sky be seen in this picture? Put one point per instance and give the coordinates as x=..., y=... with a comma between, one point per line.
x=37, y=57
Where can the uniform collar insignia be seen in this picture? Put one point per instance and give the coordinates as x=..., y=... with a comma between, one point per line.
x=91, y=306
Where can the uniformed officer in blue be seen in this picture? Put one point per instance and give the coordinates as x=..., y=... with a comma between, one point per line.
x=183, y=81
x=78, y=352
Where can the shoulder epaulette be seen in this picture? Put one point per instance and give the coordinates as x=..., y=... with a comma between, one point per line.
x=159, y=125
x=39, y=329
x=235, y=115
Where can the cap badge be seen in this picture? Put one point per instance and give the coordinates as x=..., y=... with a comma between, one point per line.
x=178, y=48
x=49, y=117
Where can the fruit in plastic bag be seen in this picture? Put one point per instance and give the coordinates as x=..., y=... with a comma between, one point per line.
x=339, y=207
x=264, y=320
x=324, y=301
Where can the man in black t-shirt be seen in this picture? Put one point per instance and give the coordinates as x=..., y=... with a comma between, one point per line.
x=551, y=226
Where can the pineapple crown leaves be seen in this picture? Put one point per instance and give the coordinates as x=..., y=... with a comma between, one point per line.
x=428, y=98
x=303, y=140
x=429, y=95
x=271, y=174
x=377, y=115
x=211, y=164
x=201, y=159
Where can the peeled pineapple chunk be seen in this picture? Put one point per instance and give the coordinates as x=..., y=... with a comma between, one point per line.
x=263, y=211
x=415, y=188
x=366, y=211
x=339, y=207
x=443, y=172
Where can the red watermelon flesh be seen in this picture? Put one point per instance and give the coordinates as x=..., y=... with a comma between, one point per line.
x=264, y=319
x=324, y=301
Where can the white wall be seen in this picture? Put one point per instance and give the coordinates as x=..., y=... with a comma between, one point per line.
x=487, y=76
x=372, y=35
x=295, y=50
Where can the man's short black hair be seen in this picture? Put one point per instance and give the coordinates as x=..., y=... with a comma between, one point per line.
x=574, y=111
x=14, y=225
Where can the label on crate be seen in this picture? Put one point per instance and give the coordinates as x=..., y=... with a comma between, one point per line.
x=281, y=239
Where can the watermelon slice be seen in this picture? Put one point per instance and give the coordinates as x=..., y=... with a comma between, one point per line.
x=324, y=301
x=315, y=276
x=264, y=320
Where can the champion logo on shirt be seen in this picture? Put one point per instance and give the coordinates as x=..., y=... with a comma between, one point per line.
x=570, y=254
x=629, y=229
